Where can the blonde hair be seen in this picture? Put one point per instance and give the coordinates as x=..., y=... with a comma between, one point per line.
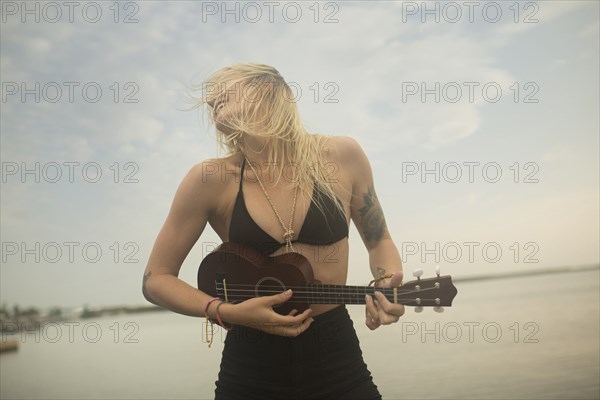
x=267, y=108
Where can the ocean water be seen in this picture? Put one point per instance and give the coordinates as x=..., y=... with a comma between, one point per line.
x=534, y=337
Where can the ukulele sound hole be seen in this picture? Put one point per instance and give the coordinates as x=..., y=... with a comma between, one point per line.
x=269, y=286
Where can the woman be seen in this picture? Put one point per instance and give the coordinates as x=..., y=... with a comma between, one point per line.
x=280, y=189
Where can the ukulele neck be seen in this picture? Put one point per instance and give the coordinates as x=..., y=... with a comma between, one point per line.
x=414, y=295
x=340, y=294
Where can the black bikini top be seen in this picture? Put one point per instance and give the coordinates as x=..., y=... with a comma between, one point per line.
x=319, y=227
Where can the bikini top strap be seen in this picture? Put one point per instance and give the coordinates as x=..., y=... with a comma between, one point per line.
x=242, y=173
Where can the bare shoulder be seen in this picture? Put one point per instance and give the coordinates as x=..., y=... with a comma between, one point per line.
x=215, y=173
x=347, y=151
x=207, y=180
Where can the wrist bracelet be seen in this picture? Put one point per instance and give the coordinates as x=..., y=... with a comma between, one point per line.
x=208, y=305
x=376, y=281
x=219, y=317
x=209, y=329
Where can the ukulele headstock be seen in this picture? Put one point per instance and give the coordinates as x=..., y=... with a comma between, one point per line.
x=434, y=292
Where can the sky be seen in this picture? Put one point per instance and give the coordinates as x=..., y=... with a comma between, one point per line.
x=480, y=122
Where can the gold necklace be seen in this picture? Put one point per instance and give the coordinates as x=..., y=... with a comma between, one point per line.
x=288, y=232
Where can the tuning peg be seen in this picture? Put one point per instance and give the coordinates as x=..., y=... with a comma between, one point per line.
x=438, y=309
x=417, y=273
x=437, y=270
x=418, y=309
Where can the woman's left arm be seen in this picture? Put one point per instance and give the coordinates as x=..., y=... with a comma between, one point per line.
x=367, y=214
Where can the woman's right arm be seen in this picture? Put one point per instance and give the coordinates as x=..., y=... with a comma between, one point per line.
x=187, y=218
x=194, y=202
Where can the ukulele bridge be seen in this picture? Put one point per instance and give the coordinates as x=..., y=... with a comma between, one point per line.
x=222, y=278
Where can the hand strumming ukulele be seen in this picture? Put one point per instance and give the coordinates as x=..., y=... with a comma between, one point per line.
x=236, y=272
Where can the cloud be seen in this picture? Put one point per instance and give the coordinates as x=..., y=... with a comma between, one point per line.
x=590, y=30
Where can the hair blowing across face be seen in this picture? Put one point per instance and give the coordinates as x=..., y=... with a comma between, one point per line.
x=259, y=102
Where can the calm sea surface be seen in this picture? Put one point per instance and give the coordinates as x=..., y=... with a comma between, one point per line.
x=533, y=337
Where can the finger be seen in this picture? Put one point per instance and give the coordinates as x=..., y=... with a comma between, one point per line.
x=397, y=279
x=289, y=320
x=371, y=323
x=382, y=317
x=387, y=307
x=292, y=331
x=388, y=312
x=387, y=319
x=401, y=310
x=371, y=315
x=371, y=307
x=293, y=312
x=279, y=298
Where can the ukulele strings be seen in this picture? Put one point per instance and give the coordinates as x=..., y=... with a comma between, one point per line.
x=305, y=294
x=309, y=289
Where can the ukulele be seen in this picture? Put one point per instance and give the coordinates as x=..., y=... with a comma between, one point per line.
x=236, y=272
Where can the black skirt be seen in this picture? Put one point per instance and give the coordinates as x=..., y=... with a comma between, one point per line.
x=324, y=362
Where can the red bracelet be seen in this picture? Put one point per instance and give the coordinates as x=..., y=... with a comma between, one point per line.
x=219, y=317
x=208, y=305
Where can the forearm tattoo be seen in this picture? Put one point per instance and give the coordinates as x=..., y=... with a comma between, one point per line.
x=372, y=219
x=380, y=273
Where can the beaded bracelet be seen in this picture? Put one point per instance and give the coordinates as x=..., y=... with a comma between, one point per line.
x=376, y=281
x=209, y=336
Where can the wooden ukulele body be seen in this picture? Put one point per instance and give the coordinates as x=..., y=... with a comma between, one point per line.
x=241, y=265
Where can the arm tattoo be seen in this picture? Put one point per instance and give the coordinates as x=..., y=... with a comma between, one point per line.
x=372, y=219
x=380, y=273
x=144, y=289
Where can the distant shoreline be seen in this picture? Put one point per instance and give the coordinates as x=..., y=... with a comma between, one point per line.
x=515, y=274
x=12, y=325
